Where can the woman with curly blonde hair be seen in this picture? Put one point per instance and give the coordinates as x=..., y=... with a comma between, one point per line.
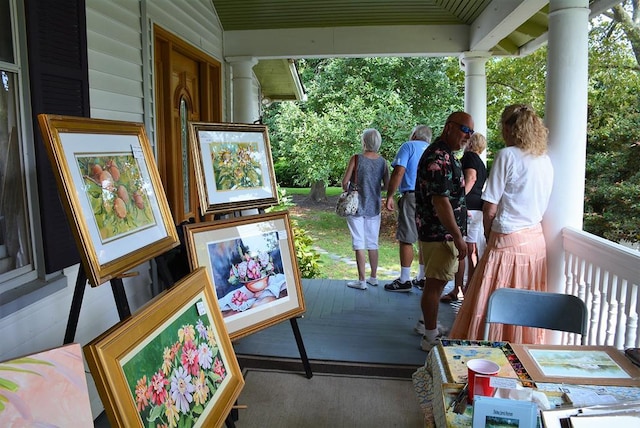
x=515, y=199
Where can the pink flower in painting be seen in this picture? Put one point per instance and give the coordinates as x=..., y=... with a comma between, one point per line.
x=218, y=368
x=142, y=393
x=189, y=358
x=174, y=349
x=158, y=388
x=205, y=356
x=253, y=269
x=238, y=298
x=182, y=389
x=201, y=389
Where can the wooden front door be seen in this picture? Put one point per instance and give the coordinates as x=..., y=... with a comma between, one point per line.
x=188, y=88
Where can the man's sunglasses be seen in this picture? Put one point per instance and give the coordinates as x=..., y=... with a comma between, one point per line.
x=463, y=128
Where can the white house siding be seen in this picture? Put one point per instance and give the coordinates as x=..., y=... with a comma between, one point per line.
x=114, y=45
x=193, y=21
x=115, y=55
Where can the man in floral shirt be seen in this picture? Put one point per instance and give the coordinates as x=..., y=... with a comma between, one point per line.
x=441, y=217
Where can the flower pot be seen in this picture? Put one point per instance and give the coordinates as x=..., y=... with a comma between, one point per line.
x=257, y=285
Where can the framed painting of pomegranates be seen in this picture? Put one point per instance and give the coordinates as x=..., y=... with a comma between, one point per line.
x=233, y=166
x=111, y=191
x=254, y=269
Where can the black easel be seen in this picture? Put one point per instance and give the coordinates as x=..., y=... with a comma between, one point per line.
x=119, y=295
x=300, y=343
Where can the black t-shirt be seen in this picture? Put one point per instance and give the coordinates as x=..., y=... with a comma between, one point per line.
x=474, y=197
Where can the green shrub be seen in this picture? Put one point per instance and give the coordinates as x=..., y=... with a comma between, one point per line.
x=308, y=258
x=285, y=175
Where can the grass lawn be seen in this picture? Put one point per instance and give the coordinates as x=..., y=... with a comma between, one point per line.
x=330, y=233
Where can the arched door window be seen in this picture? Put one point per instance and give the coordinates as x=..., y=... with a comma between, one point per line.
x=184, y=149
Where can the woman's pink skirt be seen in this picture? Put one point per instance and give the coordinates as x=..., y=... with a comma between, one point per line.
x=515, y=260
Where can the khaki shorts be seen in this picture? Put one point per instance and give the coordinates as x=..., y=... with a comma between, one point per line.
x=440, y=260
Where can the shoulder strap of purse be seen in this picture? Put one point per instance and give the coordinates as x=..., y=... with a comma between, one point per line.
x=355, y=171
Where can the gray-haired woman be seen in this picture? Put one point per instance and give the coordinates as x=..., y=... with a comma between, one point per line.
x=371, y=177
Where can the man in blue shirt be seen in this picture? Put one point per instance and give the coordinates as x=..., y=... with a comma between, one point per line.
x=403, y=178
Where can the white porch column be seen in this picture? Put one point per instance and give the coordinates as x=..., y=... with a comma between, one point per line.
x=566, y=118
x=246, y=107
x=475, y=88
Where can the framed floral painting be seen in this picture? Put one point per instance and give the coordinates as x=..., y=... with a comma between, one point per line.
x=254, y=268
x=234, y=169
x=171, y=364
x=111, y=190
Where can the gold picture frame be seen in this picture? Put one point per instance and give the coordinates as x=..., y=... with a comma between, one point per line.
x=171, y=360
x=233, y=166
x=580, y=365
x=111, y=191
x=231, y=250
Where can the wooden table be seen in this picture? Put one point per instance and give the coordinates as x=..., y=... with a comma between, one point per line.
x=445, y=368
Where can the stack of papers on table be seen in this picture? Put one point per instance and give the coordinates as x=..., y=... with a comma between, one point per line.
x=623, y=415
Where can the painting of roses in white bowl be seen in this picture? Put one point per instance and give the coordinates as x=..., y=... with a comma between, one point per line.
x=254, y=269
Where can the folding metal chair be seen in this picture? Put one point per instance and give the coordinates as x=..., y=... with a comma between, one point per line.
x=552, y=311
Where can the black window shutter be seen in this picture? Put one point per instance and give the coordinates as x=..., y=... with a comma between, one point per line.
x=59, y=79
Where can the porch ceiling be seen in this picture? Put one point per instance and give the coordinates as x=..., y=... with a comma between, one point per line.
x=285, y=29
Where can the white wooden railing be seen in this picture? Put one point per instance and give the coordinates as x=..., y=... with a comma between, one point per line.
x=606, y=276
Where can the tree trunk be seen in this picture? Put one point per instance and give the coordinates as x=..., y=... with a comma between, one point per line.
x=318, y=191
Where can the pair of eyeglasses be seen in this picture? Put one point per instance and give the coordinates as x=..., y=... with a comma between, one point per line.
x=464, y=128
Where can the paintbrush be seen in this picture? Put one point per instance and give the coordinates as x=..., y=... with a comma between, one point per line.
x=462, y=394
x=461, y=406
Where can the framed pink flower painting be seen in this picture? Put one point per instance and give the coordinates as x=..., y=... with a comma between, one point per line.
x=254, y=269
x=171, y=364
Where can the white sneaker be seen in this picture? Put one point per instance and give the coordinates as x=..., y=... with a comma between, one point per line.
x=420, y=330
x=357, y=284
x=372, y=281
x=426, y=345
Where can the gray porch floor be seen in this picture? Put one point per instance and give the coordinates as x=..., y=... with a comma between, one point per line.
x=371, y=326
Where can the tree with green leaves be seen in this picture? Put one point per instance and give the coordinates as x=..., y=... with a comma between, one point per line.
x=312, y=141
x=612, y=194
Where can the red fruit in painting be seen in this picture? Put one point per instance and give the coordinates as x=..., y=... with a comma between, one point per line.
x=106, y=181
x=137, y=199
x=123, y=193
x=96, y=170
x=120, y=208
x=113, y=169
